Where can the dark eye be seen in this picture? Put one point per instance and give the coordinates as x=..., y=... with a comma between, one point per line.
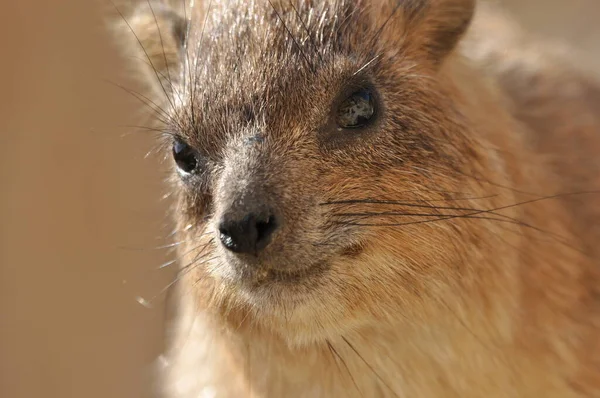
x=357, y=110
x=185, y=156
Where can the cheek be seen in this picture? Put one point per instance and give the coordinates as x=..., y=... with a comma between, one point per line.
x=399, y=219
x=374, y=181
x=396, y=270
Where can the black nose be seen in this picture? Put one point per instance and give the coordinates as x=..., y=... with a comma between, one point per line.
x=250, y=234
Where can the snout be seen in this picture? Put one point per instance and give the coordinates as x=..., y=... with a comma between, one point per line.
x=264, y=220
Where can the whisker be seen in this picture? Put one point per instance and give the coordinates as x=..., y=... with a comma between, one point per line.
x=311, y=66
x=307, y=31
x=200, y=252
x=167, y=264
x=477, y=212
x=336, y=354
x=187, y=53
x=367, y=64
x=192, y=83
x=145, y=52
x=161, y=43
x=473, y=215
x=495, y=184
x=456, y=199
x=171, y=85
x=163, y=247
x=393, y=213
x=395, y=203
x=369, y=366
x=145, y=128
x=384, y=24
x=160, y=113
x=185, y=270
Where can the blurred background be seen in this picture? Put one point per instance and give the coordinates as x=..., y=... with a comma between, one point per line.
x=81, y=212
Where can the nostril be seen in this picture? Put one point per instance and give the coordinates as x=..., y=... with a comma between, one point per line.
x=264, y=231
x=249, y=234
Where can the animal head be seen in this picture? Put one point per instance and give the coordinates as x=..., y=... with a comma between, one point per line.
x=320, y=153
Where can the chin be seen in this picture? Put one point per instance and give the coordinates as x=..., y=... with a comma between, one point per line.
x=269, y=289
x=304, y=307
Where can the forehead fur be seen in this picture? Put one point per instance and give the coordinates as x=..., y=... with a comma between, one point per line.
x=237, y=34
x=269, y=53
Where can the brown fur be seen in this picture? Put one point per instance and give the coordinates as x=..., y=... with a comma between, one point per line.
x=470, y=265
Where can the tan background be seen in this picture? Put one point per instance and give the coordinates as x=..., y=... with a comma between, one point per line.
x=80, y=207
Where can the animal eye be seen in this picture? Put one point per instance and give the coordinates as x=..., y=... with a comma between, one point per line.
x=185, y=157
x=357, y=110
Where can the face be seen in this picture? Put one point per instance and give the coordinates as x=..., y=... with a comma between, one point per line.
x=312, y=146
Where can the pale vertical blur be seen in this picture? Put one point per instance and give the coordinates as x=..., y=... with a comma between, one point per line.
x=77, y=199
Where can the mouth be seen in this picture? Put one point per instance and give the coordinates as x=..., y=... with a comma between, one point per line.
x=253, y=277
x=295, y=277
x=274, y=289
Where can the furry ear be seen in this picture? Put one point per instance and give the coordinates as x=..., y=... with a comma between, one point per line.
x=157, y=36
x=437, y=25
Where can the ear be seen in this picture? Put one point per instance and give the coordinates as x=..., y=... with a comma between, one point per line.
x=155, y=36
x=437, y=25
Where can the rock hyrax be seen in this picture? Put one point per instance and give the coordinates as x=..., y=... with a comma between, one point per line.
x=376, y=198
